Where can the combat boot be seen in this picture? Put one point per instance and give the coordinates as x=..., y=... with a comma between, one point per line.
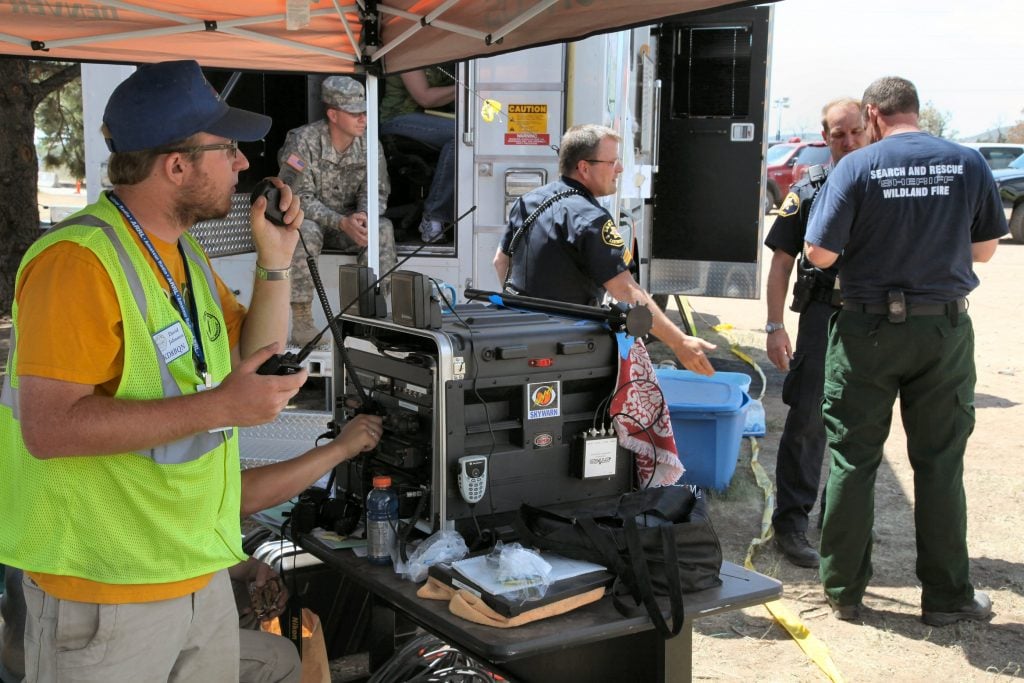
x=303, y=329
x=797, y=549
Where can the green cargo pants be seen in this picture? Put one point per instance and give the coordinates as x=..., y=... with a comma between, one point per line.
x=928, y=361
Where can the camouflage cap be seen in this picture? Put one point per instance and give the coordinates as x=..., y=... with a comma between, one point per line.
x=342, y=92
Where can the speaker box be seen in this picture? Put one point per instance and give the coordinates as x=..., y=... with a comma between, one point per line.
x=357, y=292
x=411, y=302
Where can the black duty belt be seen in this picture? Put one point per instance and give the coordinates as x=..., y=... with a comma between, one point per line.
x=827, y=295
x=952, y=307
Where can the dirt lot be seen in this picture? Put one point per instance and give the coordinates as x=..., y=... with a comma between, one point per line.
x=891, y=643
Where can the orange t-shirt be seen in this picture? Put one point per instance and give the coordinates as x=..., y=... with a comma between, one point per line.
x=69, y=328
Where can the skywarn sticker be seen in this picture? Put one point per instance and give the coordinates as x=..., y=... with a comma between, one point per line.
x=610, y=235
x=542, y=399
x=791, y=205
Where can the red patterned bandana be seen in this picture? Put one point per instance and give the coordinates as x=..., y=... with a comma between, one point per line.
x=642, y=420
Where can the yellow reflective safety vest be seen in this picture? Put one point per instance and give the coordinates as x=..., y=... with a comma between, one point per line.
x=166, y=514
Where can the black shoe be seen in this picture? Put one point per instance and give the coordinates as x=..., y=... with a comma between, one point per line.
x=978, y=609
x=797, y=549
x=844, y=612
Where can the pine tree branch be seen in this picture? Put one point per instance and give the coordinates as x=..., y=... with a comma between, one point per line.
x=53, y=82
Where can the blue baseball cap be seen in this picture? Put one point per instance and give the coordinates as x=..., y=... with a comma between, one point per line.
x=169, y=101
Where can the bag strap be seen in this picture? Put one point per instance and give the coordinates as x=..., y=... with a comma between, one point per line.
x=642, y=577
x=604, y=545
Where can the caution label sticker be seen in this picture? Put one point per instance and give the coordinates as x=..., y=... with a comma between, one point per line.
x=527, y=125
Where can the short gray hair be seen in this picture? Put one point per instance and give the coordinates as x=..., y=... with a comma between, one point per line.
x=839, y=102
x=892, y=95
x=580, y=143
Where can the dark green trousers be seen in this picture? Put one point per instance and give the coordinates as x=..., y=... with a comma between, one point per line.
x=928, y=362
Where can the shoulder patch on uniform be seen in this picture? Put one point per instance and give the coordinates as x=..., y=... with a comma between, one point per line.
x=610, y=235
x=790, y=205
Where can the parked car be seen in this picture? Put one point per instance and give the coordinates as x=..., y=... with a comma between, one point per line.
x=1010, y=181
x=786, y=163
x=997, y=154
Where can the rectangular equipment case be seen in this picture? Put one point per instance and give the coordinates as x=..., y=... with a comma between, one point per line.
x=514, y=386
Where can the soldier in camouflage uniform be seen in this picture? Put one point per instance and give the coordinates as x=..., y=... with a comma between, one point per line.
x=333, y=192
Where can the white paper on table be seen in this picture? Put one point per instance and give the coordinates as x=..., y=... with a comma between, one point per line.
x=485, y=576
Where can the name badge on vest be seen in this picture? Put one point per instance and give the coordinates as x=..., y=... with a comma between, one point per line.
x=172, y=342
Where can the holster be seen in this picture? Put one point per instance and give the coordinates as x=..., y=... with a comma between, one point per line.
x=801, y=294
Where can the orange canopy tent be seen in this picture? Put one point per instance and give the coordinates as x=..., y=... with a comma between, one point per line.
x=312, y=36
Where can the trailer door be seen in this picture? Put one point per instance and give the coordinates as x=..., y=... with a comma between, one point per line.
x=513, y=153
x=708, y=191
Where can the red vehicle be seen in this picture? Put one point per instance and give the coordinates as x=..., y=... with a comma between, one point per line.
x=787, y=162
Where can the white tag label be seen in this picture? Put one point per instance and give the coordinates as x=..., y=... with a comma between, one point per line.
x=172, y=342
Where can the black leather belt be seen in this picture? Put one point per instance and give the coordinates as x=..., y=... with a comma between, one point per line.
x=958, y=306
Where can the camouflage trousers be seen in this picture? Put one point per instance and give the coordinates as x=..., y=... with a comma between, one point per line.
x=316, y=238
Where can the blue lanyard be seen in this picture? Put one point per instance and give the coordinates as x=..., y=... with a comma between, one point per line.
x=188, y=313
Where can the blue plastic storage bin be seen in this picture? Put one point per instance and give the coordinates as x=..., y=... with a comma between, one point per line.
x=754, y=421
x=708, y=415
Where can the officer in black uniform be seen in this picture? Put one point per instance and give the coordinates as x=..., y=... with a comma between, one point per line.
x=815, y=298
x=562, y=244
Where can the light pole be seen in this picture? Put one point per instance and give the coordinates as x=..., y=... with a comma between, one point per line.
x=780, y=104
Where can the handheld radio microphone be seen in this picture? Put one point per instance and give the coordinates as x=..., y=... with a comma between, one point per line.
x=291, y=170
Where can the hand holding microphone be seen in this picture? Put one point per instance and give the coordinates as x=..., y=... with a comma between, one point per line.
x=292, y=169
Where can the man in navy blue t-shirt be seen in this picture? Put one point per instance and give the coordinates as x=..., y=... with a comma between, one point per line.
x=910, y=215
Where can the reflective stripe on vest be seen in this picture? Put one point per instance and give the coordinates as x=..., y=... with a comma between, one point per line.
x=183, y=450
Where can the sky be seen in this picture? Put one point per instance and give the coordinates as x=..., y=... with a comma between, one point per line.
x=964, y=56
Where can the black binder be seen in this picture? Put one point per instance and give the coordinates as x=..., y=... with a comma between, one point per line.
x=509, y=607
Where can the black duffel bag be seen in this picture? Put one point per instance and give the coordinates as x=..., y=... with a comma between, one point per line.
x=659, y=542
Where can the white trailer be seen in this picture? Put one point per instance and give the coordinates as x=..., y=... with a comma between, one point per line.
x=688, y=97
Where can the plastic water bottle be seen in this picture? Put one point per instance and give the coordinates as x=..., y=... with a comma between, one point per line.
x=381, y=521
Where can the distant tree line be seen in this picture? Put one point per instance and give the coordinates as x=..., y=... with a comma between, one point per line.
x=932, y=120
x=1016, y=132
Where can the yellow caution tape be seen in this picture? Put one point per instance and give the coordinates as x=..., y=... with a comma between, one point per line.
x=816, y=650
x=724, y=330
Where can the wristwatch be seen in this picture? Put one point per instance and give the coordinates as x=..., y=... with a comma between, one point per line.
x=773, y=327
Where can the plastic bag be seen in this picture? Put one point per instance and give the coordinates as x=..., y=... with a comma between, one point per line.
x=523, y=571
x=446, y=545
x=754, y=421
